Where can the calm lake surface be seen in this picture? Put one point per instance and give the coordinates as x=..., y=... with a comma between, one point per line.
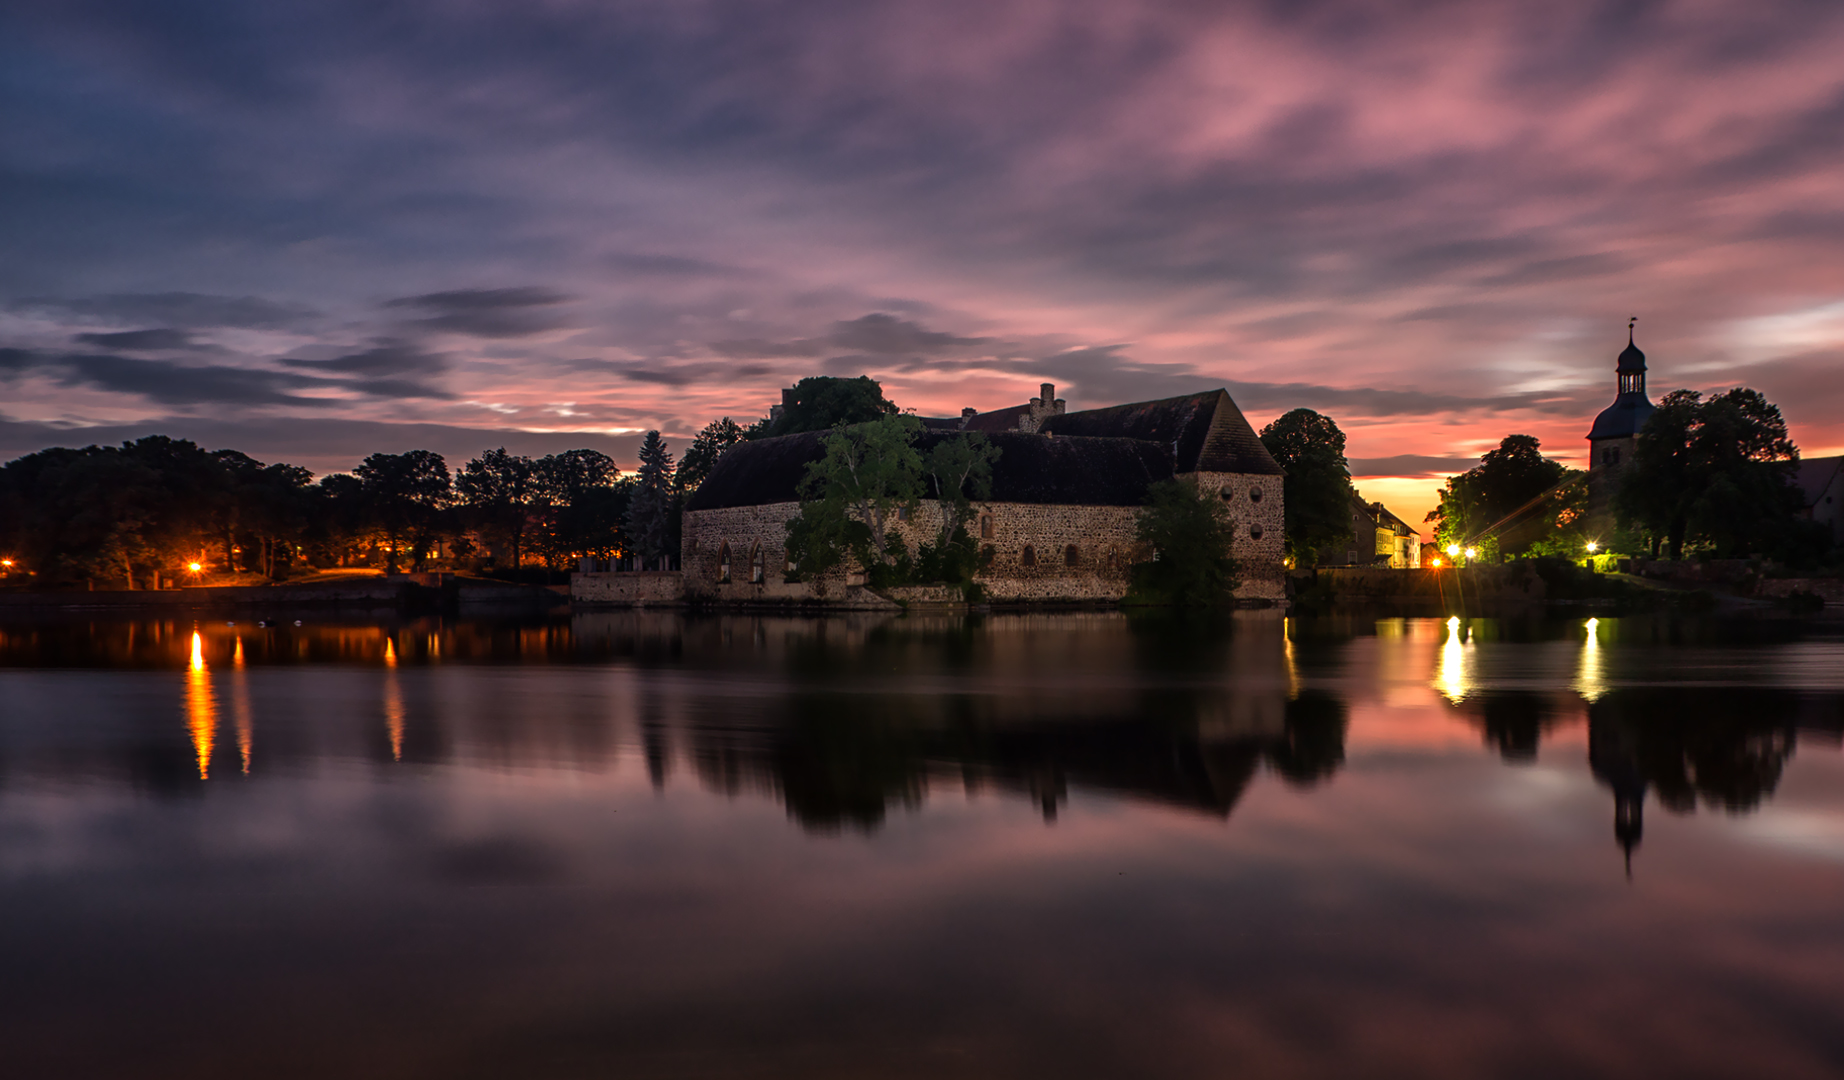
x=644, y=845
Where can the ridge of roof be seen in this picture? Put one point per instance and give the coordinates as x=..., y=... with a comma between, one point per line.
x=1206, y=431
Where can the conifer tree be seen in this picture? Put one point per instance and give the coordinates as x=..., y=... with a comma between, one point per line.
x=653, y=510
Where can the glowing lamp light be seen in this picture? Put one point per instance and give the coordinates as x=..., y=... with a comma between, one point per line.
x=1453, y=551
x=1593, y=546
x=1436, y=563
x=8, y=563
x=1472, y=553
x=195, y=567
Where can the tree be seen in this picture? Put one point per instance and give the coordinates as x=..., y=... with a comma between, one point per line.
x=703, y=453
x=1190, y=534
x=1316, y=494
x=652, y=510
x=1717, y=475
x=500, y=491
x=583, y=504
x=849, y=497
x=823, y=402
x=405, y=493
x=1491, y=505
x=960, y=468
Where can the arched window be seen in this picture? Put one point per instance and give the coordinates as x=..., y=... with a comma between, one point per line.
x=723, y=564
x=1254, y=494
x=1072, y=556
x=1228, y=493
x=1255, y=532
x=758, y=566
x=1028, y=557
x=986, y=527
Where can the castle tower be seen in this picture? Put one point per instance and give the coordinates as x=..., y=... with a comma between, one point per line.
x=1615, y=434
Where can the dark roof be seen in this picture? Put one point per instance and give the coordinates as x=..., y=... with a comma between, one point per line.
x=1030, y=469
x=758, y=472
x=1206, y=431
x=1005, y=419
x=1631, y=360
x=1815, y=475
x=1624, y=417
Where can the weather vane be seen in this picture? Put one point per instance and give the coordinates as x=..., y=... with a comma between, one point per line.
x=1629, y=328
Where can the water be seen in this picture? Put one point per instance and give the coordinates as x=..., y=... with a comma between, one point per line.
x=1076, y=845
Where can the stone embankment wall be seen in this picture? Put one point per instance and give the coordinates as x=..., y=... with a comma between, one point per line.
x=1831, y=590
x=1511, y=581
x=630, y=588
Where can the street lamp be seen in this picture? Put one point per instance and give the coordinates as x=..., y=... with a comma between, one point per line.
x=1453, y=551
x=1472, y=553
x=195, y=567
x=1593, y=546
x=1436, y=562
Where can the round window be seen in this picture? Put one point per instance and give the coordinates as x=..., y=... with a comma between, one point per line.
x=1228, y=493
x=1254, y=494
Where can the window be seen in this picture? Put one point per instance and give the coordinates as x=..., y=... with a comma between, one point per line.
x=1072, y=556
x=723, y=565
x=1028, y=557
x=986, y=527
x=1255, y=532
x=902, y=513
x=1254, y=494
x=1227, y=493
x=758, y=566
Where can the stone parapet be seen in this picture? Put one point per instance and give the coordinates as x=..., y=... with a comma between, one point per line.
x=629, y=588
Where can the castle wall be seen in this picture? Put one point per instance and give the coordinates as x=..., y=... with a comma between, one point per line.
x=1098, y=569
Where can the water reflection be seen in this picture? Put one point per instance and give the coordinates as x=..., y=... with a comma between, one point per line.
x=1452, y=678
x=201, y=707
x=924, y=846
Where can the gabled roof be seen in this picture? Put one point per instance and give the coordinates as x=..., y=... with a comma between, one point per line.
x=1815, y=477
x=997, y=420
x=1206, y=432
x=1030, y=469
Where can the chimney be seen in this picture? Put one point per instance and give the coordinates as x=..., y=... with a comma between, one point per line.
x=1048, y=392
x=966, y=415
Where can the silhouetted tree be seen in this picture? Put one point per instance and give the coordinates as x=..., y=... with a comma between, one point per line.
x=406, y=493
x=717, y=436
x=584, y=503
x=1316, y=494
x=1476, y=504
x=500, y=491
x=1716, y=474
x=821, y=402
x=652, y=511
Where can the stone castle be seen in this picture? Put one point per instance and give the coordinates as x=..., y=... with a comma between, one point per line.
x=1058, y=526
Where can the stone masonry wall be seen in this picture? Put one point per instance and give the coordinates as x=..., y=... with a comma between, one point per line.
x=1261, y=544
x=629, y=588
x=1097, y=569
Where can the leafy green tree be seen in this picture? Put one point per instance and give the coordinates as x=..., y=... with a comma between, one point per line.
x=500, y=492
x=822, y=402
x=701, y=456
x=1716, y=475
x=406, y=494
x=850, y=497
x=583, y=504
x=959, y=470
x=1493, y=505
x=1190, y=533
x=653, y=507
x=1316, y=494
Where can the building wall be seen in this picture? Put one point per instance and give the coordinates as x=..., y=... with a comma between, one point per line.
x=1607, y=461
x=1829, y=509
x=1102, y=536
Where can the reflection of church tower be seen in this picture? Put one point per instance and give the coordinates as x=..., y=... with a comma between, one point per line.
x=1615, y=434
x=1614, y=759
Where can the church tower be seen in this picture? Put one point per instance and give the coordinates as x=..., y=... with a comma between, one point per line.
x=1615, y=433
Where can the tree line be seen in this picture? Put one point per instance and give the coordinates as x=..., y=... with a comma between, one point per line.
x=146, y=512
x=1709, y=476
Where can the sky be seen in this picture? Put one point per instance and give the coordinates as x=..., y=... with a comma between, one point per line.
x=313, y=231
